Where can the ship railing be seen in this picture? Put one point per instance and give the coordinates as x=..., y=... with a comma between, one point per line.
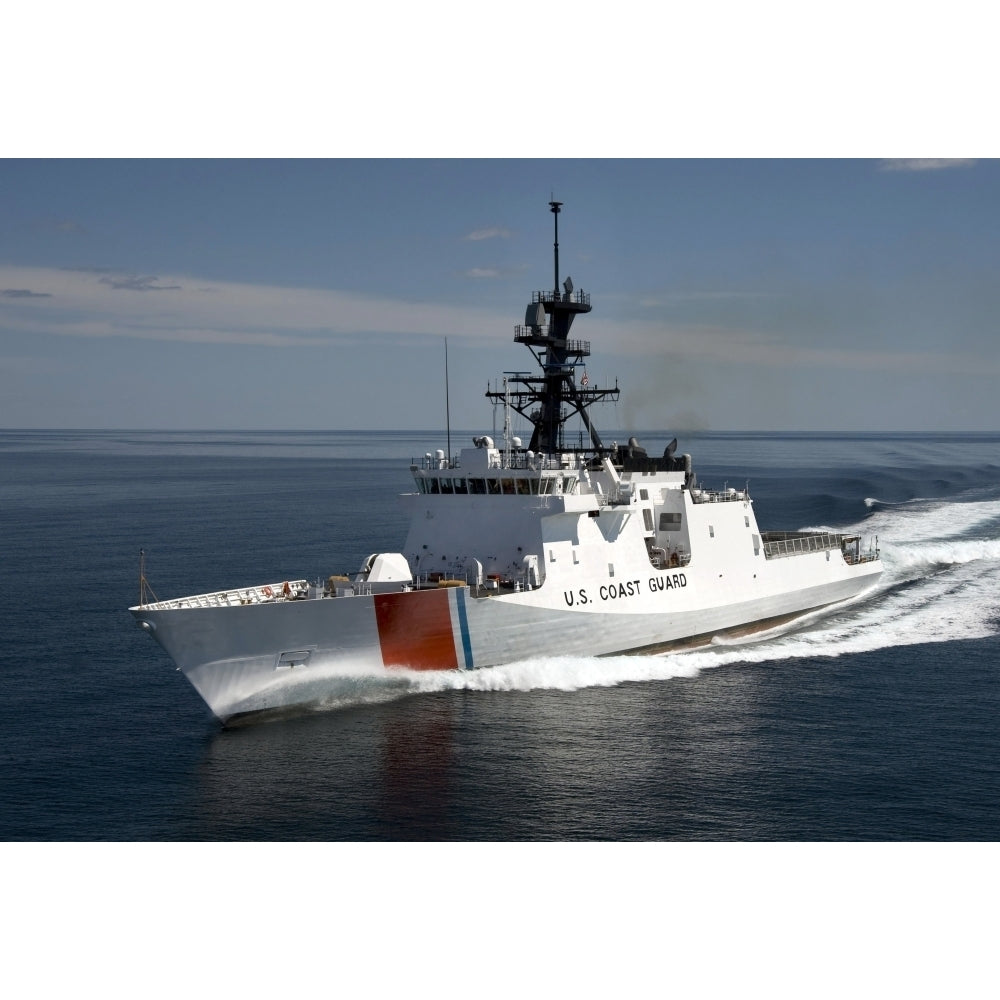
x=267, y=593
x=577, y=297
x=871, y=555
x=458, y=575
x=517, y=459
x=778, y=544
x=529, y=334
x=520, y=460
x=718, y=496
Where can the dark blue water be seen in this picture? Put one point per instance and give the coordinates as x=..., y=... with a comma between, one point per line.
x=876, y=722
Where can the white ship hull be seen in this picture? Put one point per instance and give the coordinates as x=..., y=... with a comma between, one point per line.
x=254, y=658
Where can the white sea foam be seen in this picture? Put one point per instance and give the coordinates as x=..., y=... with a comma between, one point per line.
x=933, y=520
x=875, y=502
x=561, y=673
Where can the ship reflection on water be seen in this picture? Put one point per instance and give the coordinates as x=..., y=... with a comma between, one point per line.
x=380, y=772
x=659, y=760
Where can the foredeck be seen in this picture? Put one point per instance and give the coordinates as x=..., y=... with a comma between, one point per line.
x=267, y=593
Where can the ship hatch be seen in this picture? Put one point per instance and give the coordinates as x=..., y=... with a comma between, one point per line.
x=293, y=658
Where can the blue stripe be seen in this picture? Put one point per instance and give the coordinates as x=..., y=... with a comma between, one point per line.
x=463, y=624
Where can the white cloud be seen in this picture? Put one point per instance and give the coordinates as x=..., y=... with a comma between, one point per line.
x=136, y=283
x=22, y=293
x=916, y=165
x=490, y=233
x=672, y=298
x=176, y=308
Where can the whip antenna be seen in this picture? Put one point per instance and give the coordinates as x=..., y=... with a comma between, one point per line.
x=447, y=401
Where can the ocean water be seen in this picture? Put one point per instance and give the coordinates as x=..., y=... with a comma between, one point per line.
x=877, y=721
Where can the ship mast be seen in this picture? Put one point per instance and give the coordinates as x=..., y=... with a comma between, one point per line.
x=549, y=400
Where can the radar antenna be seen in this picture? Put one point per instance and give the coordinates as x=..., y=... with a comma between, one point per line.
x=550, y=399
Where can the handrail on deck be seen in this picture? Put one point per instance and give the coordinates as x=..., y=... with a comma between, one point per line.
x=264, y=594
x=778, y=544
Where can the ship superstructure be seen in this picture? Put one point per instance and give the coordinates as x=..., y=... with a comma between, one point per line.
x=514, y=550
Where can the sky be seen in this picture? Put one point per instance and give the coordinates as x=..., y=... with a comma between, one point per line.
x=728, y=294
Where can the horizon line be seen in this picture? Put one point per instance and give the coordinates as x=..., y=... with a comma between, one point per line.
x=477, y=431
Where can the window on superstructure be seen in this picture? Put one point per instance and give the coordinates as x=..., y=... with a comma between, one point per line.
x=647, y=517
x=670, y=521
x=523, y=486
x=493, y=485
x=435, y=485
x=460, y=486
x=507, y=485
x=477, y=485
x=446, y=486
